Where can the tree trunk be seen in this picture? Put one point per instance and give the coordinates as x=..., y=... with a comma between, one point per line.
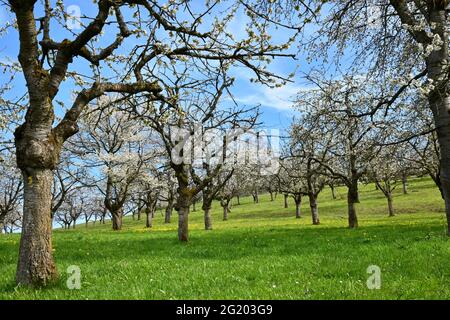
x=36, y=265
x=297, y=210
x=286, y=200
x=298, y=204
x=225, y=213
x=168, y=213
x=390, y=204
x=333, y=191
x=255, y=196
x=439, y=99
x=314, y=209
x=149, y=218
x=102, y=218
x=352, y=198
x=208, y=221
x=74, y=224
x=271, y=196
x=183, y=223
x=116, y=220
x=184, y=201
x=193, y=206
x=238, y=199
x=405, y=184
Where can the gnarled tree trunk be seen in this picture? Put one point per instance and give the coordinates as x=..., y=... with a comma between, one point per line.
x=116, y=220
x=36, y=265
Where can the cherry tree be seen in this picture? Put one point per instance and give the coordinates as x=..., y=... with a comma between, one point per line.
x=312, y=148
x=184, y=120
x=228, y=190
x=115, y=148
x=406, y=42
x=291, y=182
x=118, y=54
x=387, y=172
x=333, y=107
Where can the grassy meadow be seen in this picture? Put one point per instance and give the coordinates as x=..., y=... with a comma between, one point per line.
x=261, y=252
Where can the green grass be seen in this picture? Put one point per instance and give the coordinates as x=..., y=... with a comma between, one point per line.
x=261, y=252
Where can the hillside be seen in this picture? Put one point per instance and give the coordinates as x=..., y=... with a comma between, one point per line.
x=261, y=252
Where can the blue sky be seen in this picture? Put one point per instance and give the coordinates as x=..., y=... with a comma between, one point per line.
x=275, y=103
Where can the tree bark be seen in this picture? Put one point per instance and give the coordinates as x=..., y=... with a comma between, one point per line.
x=183, y=223
x=36, y=265
x=405, y=183
x=271, y=196
x=314, y=209
x=439, y=100
x=238, y=199
x=208, y=220
x=298, y=203
x=390, y=205
x=184, y=198
x=116, y=220
x=352, y=199
x=225, y=213
x=286, y=200
x=149, y=218
x=168, y=212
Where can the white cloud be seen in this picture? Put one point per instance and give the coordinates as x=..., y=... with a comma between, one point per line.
x=279, y=98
